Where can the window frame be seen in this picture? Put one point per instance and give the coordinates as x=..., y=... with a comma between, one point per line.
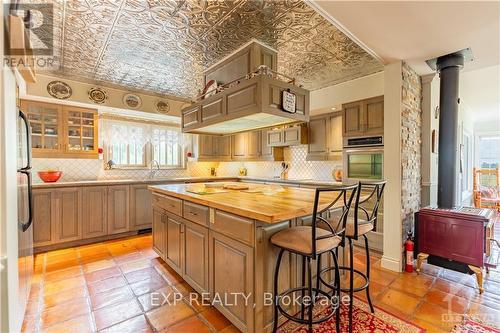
x=148, y=149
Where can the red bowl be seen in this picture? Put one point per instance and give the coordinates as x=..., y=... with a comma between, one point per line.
x=49, y=176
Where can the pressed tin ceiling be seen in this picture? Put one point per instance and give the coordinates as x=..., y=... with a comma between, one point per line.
x=164, y=46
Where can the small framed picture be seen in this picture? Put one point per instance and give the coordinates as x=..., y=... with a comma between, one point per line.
x=288, y=101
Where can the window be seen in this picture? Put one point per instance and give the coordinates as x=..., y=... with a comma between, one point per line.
x=136, y=145
x=489, y=152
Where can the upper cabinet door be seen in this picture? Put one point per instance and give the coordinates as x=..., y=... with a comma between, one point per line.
x=353, y=119
x=80, y=127
x=253, y=144
x=46, y=127
x=206, y=146
x=239, y=145
x=317, y=138
x=374, y=115
x=266, y=150
x=335, y=133
x=223, y=146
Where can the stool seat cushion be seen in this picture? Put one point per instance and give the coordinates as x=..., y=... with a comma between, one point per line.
x=299, y=239
x=364, y=227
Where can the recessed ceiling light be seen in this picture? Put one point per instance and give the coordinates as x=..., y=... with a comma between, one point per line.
x=334, y=108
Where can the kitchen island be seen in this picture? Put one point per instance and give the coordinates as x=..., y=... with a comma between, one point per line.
x=219, y=243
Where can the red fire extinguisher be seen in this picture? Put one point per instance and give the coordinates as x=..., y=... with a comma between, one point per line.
x=409, y=253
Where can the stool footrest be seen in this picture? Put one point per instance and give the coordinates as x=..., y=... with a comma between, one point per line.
x=345, y=268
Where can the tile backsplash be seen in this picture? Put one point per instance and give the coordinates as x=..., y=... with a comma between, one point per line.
x=91, y=169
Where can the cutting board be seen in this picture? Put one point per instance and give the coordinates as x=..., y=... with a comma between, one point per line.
x=202, y=191
x=236, y=187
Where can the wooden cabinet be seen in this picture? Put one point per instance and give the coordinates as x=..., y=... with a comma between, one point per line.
x=213, y=148
x=140, y=207
x=118, y=209
x=174, y=239
x=230, y=258
x=253, y=145
x=94, y=211
x=62, y=131
x=195, y=256
x=238, y=145
x=43, y=219
x=159, y=231
x=325, y=137
x=68, y=214
x=288, y=136
x=364, y=117
x=207, y=148
x=223, y=147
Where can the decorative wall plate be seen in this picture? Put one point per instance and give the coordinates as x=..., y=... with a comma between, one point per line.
x=162, y=107
x=59, y=89
x=132, y=101
x=97, y=95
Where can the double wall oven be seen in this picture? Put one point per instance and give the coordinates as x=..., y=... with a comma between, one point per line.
x=363, y=159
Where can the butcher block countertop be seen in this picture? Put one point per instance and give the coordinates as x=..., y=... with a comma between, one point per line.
x=265, y=203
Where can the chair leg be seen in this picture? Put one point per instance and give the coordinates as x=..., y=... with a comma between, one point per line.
x=351, y=282
x=311, y=297
x=275, y=290
x=337, y=292
x=318, y=268
x=302, y=309
x=368, y=274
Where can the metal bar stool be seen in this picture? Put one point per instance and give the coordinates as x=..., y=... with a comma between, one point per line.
x=360, y=226
x=309, y=242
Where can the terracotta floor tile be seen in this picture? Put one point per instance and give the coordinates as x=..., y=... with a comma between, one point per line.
x=157, y=298
x=142, y=274
x=429, y=327
x=436, y=315
x=190, y=325
x=400, y=301
x=168, y=315
x=184, y=288
x=485, y=314
x=454, y=288
x=414, y=284
x=132, y=256
x=431, y=270
x=93, y=249
x=81, y=324
x=98, y=265
x=103, y=274
x=33, y=307
x=230, y=329
x=215, y=318
x=63, y=312
x=135, y=325
x=114, y=314
x=105, y=285
x=59, y=252
x=169, y=274
x=30, y=324
x=111, y=297
x=57, y=266
x=63, y=274
x=149, y=253
x=63, y=297
x=448, y=301
x=95, y=257
x=64, y=257
x=148, y=285
x=382, y=276
x=62, y=285
x=121, y=248
x=135, y=265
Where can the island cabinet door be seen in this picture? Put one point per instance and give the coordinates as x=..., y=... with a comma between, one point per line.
x=118, y=209
x=159, y=232
x=69, y=214
x=195, y=258
x=232, y=279
x=140, y=207
x=94, y=211
x=173, y=248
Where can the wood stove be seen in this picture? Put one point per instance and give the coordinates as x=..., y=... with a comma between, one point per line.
x=457, y=239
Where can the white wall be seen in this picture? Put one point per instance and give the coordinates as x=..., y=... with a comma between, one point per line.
x=368, y=86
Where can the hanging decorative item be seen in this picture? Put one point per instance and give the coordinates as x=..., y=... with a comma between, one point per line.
x=97, y=95
x=162, y=107
x=59, y=89
x=132, y=101
x=288, y=101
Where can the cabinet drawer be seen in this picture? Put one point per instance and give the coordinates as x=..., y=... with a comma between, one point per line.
x=173, y=205
x=234, y=226
x=196, y=213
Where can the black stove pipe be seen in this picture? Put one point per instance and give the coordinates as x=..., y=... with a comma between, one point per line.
x=448, y=67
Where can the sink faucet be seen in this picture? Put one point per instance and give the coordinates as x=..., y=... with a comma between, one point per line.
x=152, y=173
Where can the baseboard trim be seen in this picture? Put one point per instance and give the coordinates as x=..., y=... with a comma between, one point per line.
x=391, y=264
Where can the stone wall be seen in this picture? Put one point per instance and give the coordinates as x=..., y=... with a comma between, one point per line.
x=411, y=136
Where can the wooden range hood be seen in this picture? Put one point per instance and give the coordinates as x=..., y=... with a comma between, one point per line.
x=248, y=101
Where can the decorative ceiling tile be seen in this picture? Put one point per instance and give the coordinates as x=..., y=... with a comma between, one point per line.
x=164, y=45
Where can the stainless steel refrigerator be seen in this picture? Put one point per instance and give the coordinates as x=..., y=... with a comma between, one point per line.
x=25, y=210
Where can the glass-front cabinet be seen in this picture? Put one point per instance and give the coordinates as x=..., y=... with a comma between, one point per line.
x=61, y=131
